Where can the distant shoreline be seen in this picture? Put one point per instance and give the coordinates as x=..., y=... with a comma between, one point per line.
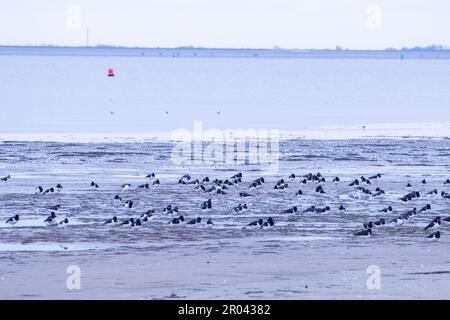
x=349, y=132
x=192, y=52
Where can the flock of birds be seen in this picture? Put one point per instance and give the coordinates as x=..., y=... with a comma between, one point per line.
x=221, y=187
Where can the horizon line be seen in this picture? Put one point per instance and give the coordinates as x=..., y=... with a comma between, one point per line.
x=428, y=48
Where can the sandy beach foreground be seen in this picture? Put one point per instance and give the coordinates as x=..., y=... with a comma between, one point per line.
x=231, y=271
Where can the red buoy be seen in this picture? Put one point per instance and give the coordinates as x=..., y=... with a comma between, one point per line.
x=110, y=72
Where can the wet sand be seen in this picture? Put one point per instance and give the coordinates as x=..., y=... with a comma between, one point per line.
x=304, y=256
x=258, y=270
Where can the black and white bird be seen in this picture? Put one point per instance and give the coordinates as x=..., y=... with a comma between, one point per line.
x=151, y=175
x=6, y=178
x=319, y=189
x=398, y=221
x=113, y=220
x=207, y=204
x=170, y=210
x=378, y=192
x=281, y=184
x=411, y=212
x=51, y=219
x=364, y=190
x=237, y=176
x=148, y=216
x=221, y=192
x=240, y=207
x=310, y=209
x=388, y=209
x=364, y=179
x=368, y=225
x=259, y=222
x=269, y=223
x=425, y=208
x=410, y=196
x=405, y=216
x=167, y=209
x=290, y=210
x=64, y=222
x=196, y=181
x=209, y=190
x=144, y=186
x=281, y=187
x=256, y=183
x=59, y=187
x=178, y=220
x=129, y=204
x=200, y=187
x=433, y=225
x=148, y=213
x=354, y=183
x=364, y=233
x=125, y=186
x=195, y=221
x=38, y=190
x=94, y=185
x=128, y=222
x=51, y=190
x=377, y=176
x=323, y=210
x=13, y=220
x=434, y=236
x=54, y=208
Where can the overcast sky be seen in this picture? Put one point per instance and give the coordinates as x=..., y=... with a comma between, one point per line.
x=370, y=24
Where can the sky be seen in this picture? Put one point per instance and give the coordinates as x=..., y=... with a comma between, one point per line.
x=353, y=24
